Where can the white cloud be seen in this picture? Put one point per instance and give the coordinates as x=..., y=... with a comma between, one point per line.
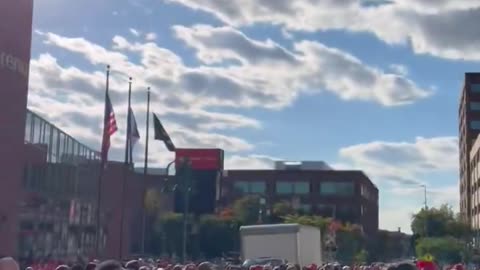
x=134, y=32
x=441, y=28
x=399, y=69
x=311, y=67
x=404, y=201
x=183, y=95
x=150, y=36
x=399, y=168
x=404, y=162
x=436, y=196
x=391, y=218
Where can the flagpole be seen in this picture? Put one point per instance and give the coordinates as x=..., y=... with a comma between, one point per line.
x=100, y=173
x=125, y=170
x=145, y=171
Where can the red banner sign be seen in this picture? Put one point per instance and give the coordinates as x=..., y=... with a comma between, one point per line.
x=201, y=159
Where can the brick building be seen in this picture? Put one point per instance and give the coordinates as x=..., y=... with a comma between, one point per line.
x=57, y=198
x=469, y=129
x=313, y=187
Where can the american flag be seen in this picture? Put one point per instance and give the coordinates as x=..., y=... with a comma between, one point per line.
x=109, y=128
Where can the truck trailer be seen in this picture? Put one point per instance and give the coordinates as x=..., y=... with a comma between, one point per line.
x=295, y=243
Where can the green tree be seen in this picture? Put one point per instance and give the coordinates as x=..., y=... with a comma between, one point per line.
x=444, y=249
x=152, y=201
x=170, y=228
x=213, y=227
x=349, y=237
x=361, y=257
x=314, y=221
x=438, y=222
x=350, y=241
x=246, y=209
x=282, y=210
x=392, y=245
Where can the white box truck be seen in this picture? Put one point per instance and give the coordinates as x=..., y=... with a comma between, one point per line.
x=293, y=242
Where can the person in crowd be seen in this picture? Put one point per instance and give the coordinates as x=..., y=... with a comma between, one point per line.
x=133, y=265
x=109, y=265
x=190, y=266
x=204, y=266
x=62, y=267
x=90, y=266
x=8, y=263
x=290, y=266
x=77, y=267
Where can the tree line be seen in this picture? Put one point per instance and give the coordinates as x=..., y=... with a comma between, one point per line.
x=436, y=231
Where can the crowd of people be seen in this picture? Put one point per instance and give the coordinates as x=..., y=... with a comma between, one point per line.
x=9, y=263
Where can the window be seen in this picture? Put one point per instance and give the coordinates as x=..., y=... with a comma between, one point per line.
x=475, y=125
x=257, y=187
x=337, y=188
x=301, y=188
x=250, y=187
x=283, y=187
x=475, y=106
x=475, y=87
x=241, y=186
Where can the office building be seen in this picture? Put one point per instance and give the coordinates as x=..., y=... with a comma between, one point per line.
x=349, y=196
x=469, y=128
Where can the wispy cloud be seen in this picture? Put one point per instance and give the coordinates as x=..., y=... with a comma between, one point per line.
x=441, y=28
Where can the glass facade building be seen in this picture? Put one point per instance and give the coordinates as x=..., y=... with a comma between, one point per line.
x=59, y=198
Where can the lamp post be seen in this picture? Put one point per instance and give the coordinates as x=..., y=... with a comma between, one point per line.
x=425, y=195
x=426, y=208
x=183, y=181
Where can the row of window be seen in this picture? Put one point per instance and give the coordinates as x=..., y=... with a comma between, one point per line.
x=475, y=87
x=300, y=188
x=475, y=106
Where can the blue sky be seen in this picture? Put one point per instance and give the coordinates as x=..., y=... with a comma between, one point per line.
x=372, y=87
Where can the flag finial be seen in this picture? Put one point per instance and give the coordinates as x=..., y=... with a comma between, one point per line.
x=108, y=67
x=148, y=89
x=130, y=78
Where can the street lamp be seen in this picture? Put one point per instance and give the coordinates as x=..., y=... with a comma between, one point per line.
x=425, y=195
x=182, y=180
x=144, y=214
x=426, y=208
